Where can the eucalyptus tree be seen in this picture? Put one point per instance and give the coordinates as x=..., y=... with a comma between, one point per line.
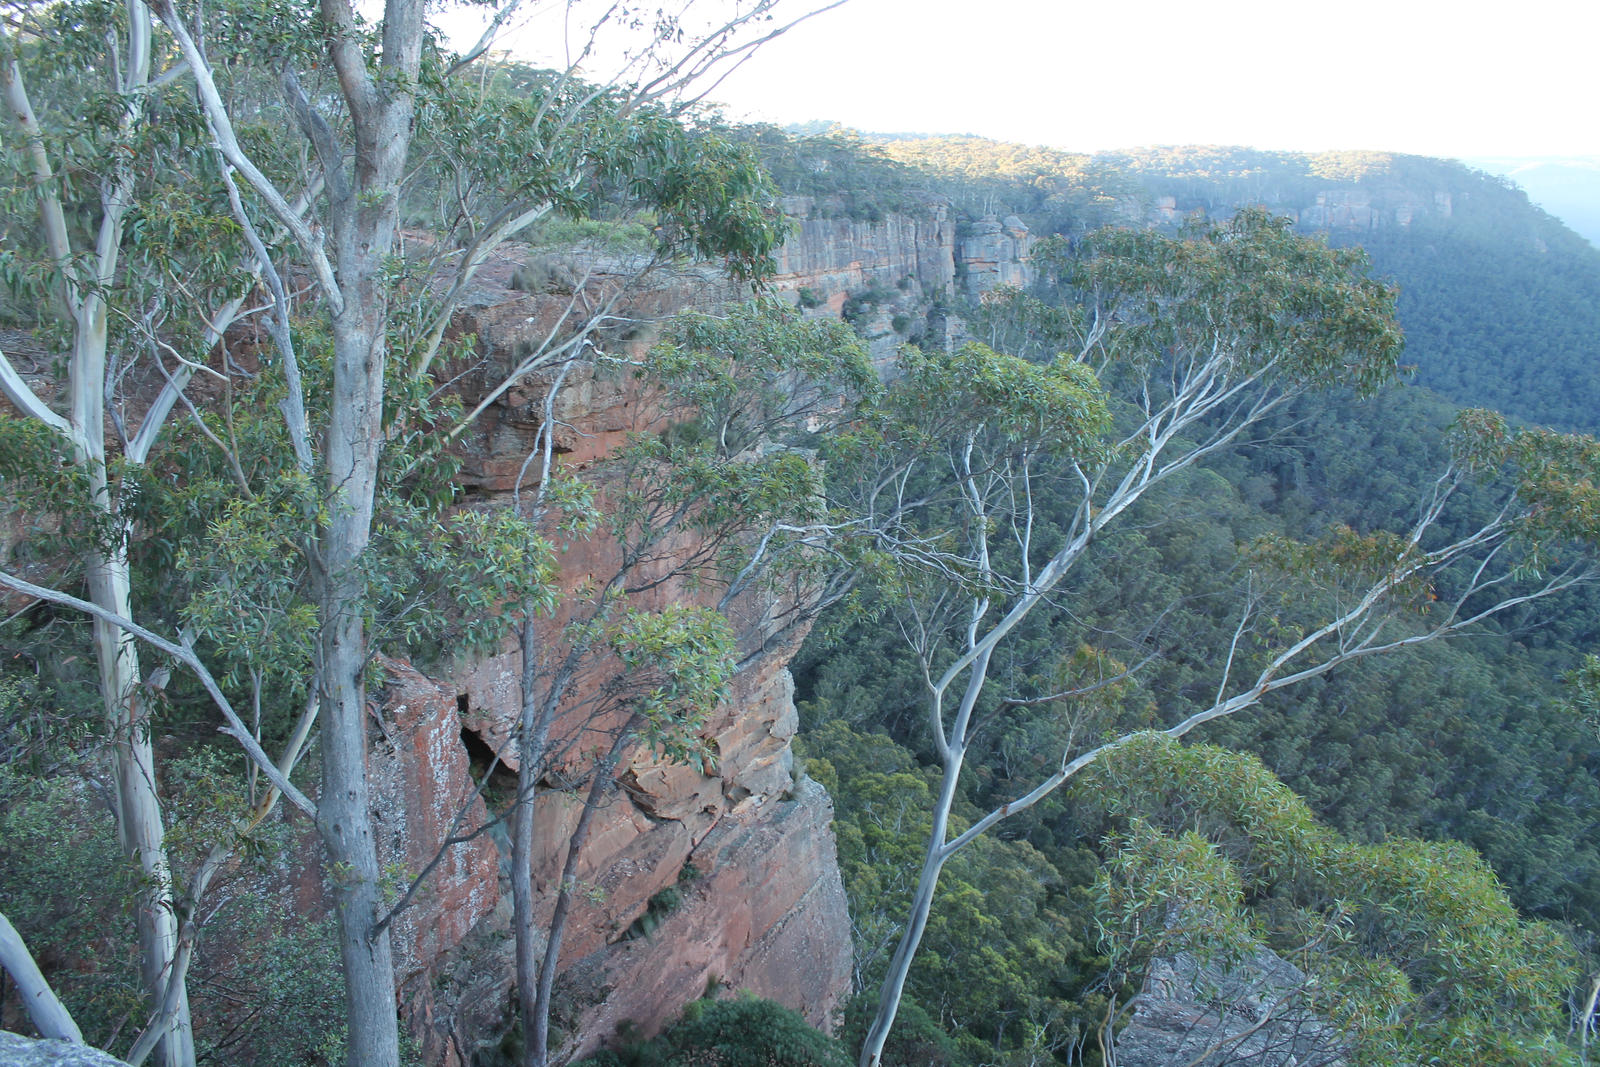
x=113, y=232
x=719, y=492
x=1410, y=950
x=1182, y=346
x=565, y=140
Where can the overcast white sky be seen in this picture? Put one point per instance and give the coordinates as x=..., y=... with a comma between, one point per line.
x=1447, y=79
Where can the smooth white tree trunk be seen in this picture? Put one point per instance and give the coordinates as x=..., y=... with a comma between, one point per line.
x=48, y=1015
x=80, y=294
x=933, y=862
x=139, y=817
x=344, y=814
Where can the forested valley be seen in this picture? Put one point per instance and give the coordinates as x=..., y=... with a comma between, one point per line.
x=1483, y=741
x=1213, y=608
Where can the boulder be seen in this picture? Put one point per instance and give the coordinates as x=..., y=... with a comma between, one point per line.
x=1250, y=1014
x=19, y=1051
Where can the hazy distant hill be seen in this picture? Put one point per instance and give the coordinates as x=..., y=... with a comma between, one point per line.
x=1500, y=301
x=1566, y=186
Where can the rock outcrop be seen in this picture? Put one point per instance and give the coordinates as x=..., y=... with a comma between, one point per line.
x=995, y=253
x=19, y=1051
x=1248, y=1015
x=833, y=257
x=690, y=881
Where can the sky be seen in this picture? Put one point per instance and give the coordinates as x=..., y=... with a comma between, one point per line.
x=1445, y=79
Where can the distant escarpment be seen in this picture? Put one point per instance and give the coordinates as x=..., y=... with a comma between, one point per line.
x=1338, y=192
x=1500, y=302
x=883, y=273
x=833, y=254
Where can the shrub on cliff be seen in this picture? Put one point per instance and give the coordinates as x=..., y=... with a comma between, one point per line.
x=746, y=1032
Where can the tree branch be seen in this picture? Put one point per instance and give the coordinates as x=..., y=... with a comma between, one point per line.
x=52, y=218
x=27, y=401
x=221, y=125
x=49, y=1016
x=185, y=654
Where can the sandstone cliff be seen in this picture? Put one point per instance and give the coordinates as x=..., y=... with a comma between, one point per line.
x=690, y=882
x=995, y=253
x=884, y=274
x=836, y=256
x=1356, y=210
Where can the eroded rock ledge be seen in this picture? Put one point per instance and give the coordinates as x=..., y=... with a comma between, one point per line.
x=689, y=881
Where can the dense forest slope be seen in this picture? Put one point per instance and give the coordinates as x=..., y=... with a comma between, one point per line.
x=1473, y=741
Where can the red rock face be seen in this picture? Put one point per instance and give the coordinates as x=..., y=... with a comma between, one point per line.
x=424, y=796
x=595, y=408
x=749, y=852
x=745, y=851
x=754, y=917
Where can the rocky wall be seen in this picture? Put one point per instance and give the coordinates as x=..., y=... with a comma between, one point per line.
x=744, y=853
x=883, y=274
x=836, y=256
x=996, y=253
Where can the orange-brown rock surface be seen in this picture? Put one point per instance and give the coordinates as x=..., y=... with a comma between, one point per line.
x=745, y=854
x=749, y=852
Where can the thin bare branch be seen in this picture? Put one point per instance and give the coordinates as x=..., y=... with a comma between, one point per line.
x=185, y=654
